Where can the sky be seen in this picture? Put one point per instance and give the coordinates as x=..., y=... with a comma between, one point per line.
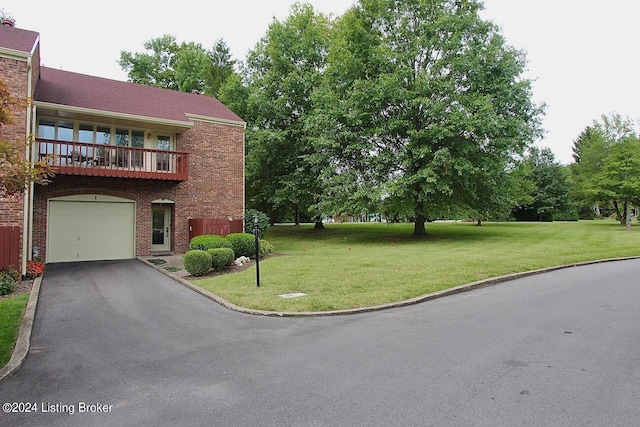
x=582, y=54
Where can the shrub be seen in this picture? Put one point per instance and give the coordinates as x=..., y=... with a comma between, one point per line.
x=8, y=281
x=35, y=268
x=243, y=244
x=209, y=241
x=263, y=222
x=197, y=262
x=221, y=257
x=266, y=248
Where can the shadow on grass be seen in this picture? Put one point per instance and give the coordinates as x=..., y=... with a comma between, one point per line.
x=386, y=233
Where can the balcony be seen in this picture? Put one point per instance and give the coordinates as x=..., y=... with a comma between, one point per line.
x=77, y=158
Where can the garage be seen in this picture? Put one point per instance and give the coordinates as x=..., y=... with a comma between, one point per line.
x=90, y=228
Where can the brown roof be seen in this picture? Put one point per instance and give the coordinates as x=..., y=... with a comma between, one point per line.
x=17, y=39
x=100, y=94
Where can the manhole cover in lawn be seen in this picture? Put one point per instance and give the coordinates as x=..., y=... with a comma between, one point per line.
x=293, y=295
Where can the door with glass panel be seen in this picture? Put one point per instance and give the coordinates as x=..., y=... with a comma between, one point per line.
x=163, y=160
x=160, y=228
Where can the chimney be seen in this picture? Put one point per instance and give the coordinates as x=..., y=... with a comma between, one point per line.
x=6, y=19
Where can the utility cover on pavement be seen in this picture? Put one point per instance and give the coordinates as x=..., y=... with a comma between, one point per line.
x=293, y=295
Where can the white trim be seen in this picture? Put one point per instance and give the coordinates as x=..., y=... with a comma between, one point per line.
x=14, y=54
x=163, y=202
x=92, y=198
x=216, y=120
x=113, y=115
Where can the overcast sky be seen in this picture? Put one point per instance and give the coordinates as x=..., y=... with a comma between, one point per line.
x=581, y=53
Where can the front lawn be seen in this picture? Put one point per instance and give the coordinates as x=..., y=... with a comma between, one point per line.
x=358, y=265
x=11, y=310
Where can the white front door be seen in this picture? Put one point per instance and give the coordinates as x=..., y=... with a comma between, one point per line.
x=160, y=228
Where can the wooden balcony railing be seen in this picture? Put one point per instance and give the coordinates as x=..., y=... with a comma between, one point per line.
x=78, y=158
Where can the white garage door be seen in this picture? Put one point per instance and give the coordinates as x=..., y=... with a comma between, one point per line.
x=88, y=228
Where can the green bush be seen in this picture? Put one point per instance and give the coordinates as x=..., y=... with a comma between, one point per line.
x=209, y=241
x=249, y=222
x=197, y=262
x=243, y=244
x=8, y=281
x=266, y=248
x=221, y=258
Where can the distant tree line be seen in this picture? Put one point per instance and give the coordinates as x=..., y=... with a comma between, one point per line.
x=417, y=110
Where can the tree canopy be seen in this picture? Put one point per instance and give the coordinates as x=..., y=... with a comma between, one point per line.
x=185, y=67
x=282, y=72
x=591, y=152
x=427, y=102
x=16, y=170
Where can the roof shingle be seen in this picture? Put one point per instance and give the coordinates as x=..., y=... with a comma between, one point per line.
x=17, y=39
x=100, y=94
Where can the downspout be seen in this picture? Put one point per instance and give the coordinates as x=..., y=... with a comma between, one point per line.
x=27, y=221
x=244, y=183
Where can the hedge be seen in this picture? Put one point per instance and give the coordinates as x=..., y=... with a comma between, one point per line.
x=243, y=244
x=221, y=257
x=197, y=262
x=209, y=241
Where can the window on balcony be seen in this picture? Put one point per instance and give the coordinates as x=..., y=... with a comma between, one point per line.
x=85, y=148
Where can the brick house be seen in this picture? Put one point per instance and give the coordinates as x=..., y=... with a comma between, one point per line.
x=137, y=166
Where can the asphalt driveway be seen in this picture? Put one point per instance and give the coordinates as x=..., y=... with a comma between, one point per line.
x=118, y=343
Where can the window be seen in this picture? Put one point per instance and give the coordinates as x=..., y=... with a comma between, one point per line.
x=163, y=143
x=137, y=141
x=87, y=141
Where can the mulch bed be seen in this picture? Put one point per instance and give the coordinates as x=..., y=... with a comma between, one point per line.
x=23, y=286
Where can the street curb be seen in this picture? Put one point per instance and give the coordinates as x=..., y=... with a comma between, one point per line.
x=416, y=300
x=24, y=334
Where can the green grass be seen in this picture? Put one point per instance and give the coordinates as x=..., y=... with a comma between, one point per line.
x=11, y=310
x=358, y=265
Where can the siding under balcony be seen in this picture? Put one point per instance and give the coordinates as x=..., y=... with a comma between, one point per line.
x=77, y=158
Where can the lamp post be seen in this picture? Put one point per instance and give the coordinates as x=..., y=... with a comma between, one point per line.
x=255, y=234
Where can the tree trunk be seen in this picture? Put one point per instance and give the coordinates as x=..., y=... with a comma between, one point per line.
x=297, y=215
x=319, y=225
x=619, y=215
x=479, y=223
x=418, y=229
x=627, y=215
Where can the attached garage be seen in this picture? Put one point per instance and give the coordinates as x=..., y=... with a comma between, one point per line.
x=90, y=228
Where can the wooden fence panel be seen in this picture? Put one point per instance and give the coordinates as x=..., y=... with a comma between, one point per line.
x=10, y=247
x=219, y=226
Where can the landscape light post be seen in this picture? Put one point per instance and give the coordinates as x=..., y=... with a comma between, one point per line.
x=255, y=234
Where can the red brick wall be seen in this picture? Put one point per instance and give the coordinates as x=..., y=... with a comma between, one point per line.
x=215, y=188
x=14, y=74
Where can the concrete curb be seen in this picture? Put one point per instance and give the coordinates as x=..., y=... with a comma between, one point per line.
x=24, y=334
x=404, y=303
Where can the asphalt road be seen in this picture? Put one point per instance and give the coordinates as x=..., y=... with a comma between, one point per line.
x=557, y=349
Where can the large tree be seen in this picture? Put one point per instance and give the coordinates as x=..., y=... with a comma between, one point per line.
x=619, y=177
x=427, y=101
x=185, y=67
x=590, y=150
x=17, y=172
x=283, y=70
x=549, y=191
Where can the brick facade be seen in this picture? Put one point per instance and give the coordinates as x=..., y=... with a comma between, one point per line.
x=14, y=74
x=215, y=143
x=214, y=189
